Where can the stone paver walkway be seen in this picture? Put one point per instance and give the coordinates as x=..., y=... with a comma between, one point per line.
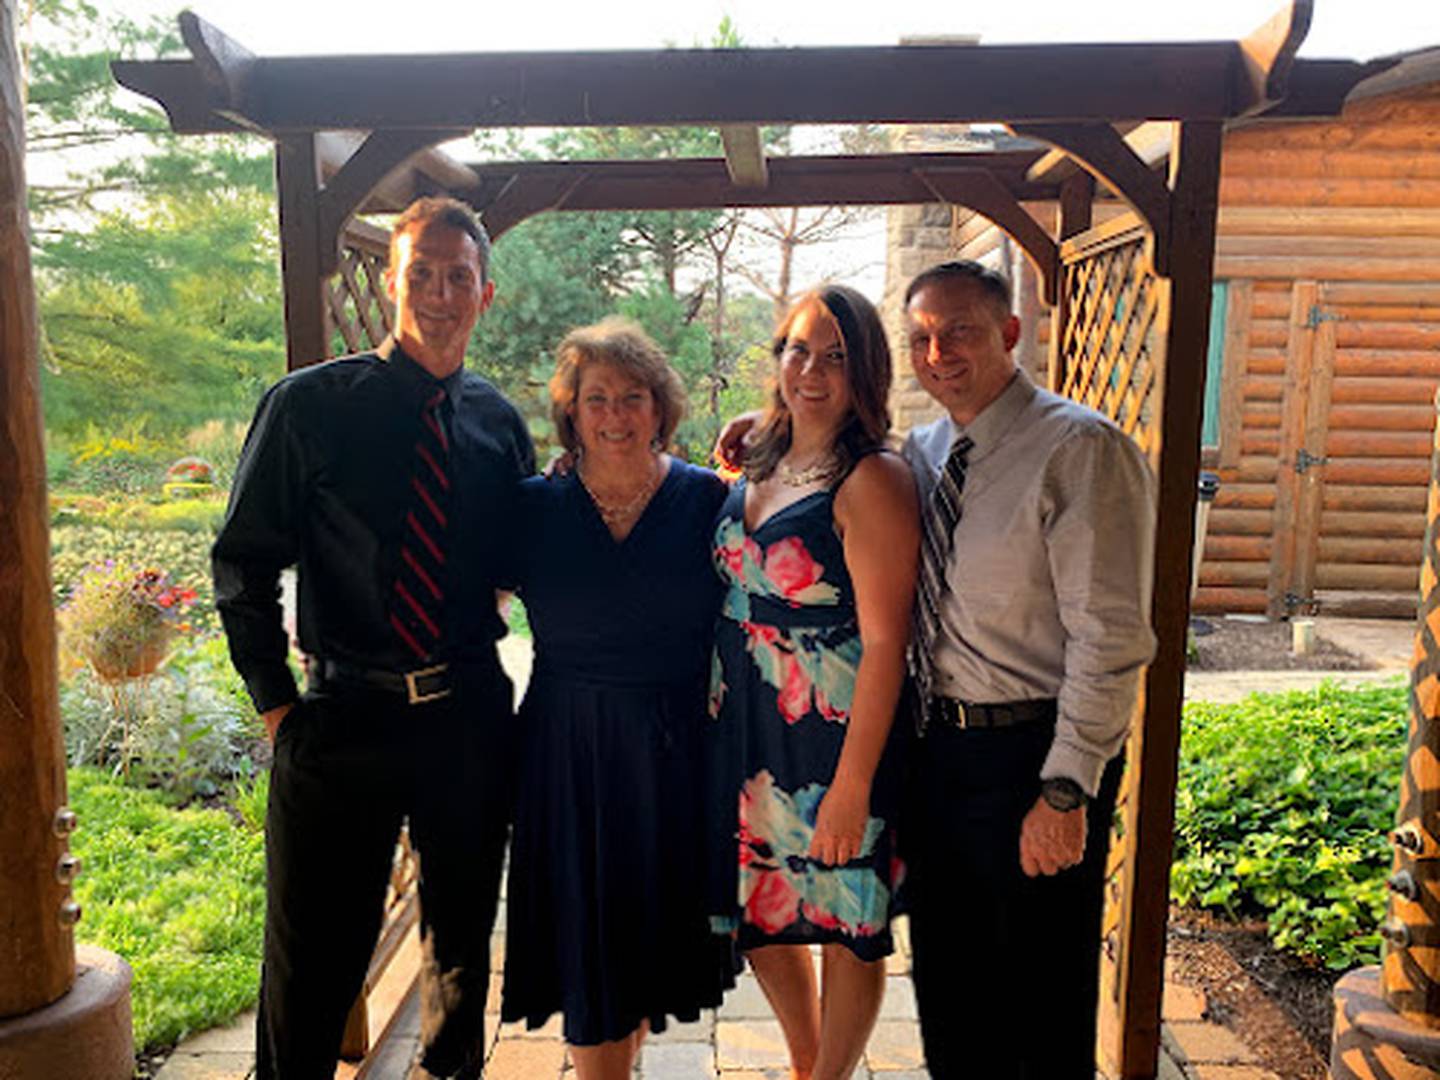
x=741, y=1040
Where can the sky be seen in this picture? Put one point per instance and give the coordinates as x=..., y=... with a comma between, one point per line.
x=1357, y=29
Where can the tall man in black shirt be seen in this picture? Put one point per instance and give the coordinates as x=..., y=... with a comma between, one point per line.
x=387, y=478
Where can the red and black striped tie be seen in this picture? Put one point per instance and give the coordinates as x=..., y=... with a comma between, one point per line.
x=418, y=604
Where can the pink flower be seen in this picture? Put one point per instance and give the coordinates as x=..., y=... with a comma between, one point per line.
x=794, y=698
x=773, y=902
x=790, y=568
x=733, y=551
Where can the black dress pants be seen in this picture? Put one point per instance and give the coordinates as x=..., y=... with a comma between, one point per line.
x=351, y=764
x=1006, y=967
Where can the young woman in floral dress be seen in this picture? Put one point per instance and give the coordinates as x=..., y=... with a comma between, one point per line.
x=818, y=546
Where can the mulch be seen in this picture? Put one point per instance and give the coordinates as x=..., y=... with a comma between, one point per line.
x=1278, y=1005
x=1228, y=644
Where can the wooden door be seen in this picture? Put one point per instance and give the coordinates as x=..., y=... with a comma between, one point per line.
x=1304, y=433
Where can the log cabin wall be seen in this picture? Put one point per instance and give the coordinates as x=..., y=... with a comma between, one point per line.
x=1325, y=341
x=1329, y=264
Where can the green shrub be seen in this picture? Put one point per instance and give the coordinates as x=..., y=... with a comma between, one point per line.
x=180, y=894
x=128, y=461
x=186, y=730
x=1283, y=807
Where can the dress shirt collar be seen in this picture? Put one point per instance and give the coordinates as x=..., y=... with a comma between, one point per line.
x=404, y=365
x=987, y=429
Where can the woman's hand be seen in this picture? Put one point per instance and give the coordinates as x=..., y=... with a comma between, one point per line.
x=840, y=823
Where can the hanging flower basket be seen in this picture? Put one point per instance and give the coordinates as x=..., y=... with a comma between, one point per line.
x=121, y=621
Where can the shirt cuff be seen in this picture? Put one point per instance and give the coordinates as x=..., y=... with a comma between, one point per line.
x=1075, y=763
x=270, y=685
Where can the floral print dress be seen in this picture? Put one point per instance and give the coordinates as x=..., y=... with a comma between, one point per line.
x=787, y=647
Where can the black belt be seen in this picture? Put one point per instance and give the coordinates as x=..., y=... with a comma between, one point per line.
x=418, y=687
x=953, y=712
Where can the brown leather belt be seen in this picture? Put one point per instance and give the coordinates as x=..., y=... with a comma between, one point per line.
x=952, y=712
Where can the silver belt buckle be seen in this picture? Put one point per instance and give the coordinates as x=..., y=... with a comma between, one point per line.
x=412, y=689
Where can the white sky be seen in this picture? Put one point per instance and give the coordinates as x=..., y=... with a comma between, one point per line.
x=1340, y=28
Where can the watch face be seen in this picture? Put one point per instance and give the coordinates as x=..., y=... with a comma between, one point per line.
x=1062, y=794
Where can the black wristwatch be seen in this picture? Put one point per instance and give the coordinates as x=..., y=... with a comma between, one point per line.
x=1063, y=794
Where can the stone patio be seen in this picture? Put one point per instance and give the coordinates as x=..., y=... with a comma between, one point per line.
x=742, y=1041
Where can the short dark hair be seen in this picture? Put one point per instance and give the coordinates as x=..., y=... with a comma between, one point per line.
x=994, y=285
x=449, y=212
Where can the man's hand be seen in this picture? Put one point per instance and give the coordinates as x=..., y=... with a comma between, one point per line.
x=1051, y=840
x=730, y=445
x=273, y=718
x=840, y=823
x=560, y=466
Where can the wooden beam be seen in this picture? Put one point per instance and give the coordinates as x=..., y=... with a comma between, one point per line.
x=719, y=86
x=37, y=947
x=705, y=183
x=1101, y=150
x=225, y=64
x=381, y=155
x=981, y=192
x=1194, y=178
x=1150, y=141
x=1077, y=205
x=1268, y=54
x=297, y=172
x=744, y=155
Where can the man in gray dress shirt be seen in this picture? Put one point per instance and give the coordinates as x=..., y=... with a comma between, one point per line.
x=1032, y=665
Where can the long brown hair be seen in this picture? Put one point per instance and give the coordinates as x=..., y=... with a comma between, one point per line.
x=867, y=372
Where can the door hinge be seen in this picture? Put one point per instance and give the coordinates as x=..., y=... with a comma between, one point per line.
x=1295, y=604
x=1318, y=315
x=1304, y=459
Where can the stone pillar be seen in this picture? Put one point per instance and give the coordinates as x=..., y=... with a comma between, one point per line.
x=50, y=1025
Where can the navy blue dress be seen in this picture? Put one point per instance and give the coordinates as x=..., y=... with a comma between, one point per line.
x=606, y=918
x=787, y=648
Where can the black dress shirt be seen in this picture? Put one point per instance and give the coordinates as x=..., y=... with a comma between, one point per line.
x=324, y=483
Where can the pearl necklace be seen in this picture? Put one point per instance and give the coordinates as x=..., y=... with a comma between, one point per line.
x=614, y=514
x=823, y=468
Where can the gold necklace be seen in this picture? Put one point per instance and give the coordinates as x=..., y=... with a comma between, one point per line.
x=823, y=468
x=612, y=513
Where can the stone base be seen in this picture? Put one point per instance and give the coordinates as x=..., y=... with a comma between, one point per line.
x=1373, y=1042
x=84, y=1036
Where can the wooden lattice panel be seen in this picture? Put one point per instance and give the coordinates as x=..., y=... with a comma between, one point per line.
x=360, y=311
x=1109, y=340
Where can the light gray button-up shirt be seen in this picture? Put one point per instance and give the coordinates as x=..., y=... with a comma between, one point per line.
x=1049, y=577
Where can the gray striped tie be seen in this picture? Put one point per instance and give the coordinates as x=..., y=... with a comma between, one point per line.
x=937, y=535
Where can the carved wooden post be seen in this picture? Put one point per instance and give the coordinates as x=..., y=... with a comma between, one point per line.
x=37, y=958
x=1387, y=1020
x=47, y=1029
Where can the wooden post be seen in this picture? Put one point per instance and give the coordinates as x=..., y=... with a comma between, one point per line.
x=1387, y=1019
x=1077, y=199
x=37, y=950
x=1194, y=178
x=307, y=323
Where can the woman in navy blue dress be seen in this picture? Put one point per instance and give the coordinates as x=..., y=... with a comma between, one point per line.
x=606, y=919
x=818, y=547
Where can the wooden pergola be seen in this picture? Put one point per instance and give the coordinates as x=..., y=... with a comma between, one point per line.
x=356, y=135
